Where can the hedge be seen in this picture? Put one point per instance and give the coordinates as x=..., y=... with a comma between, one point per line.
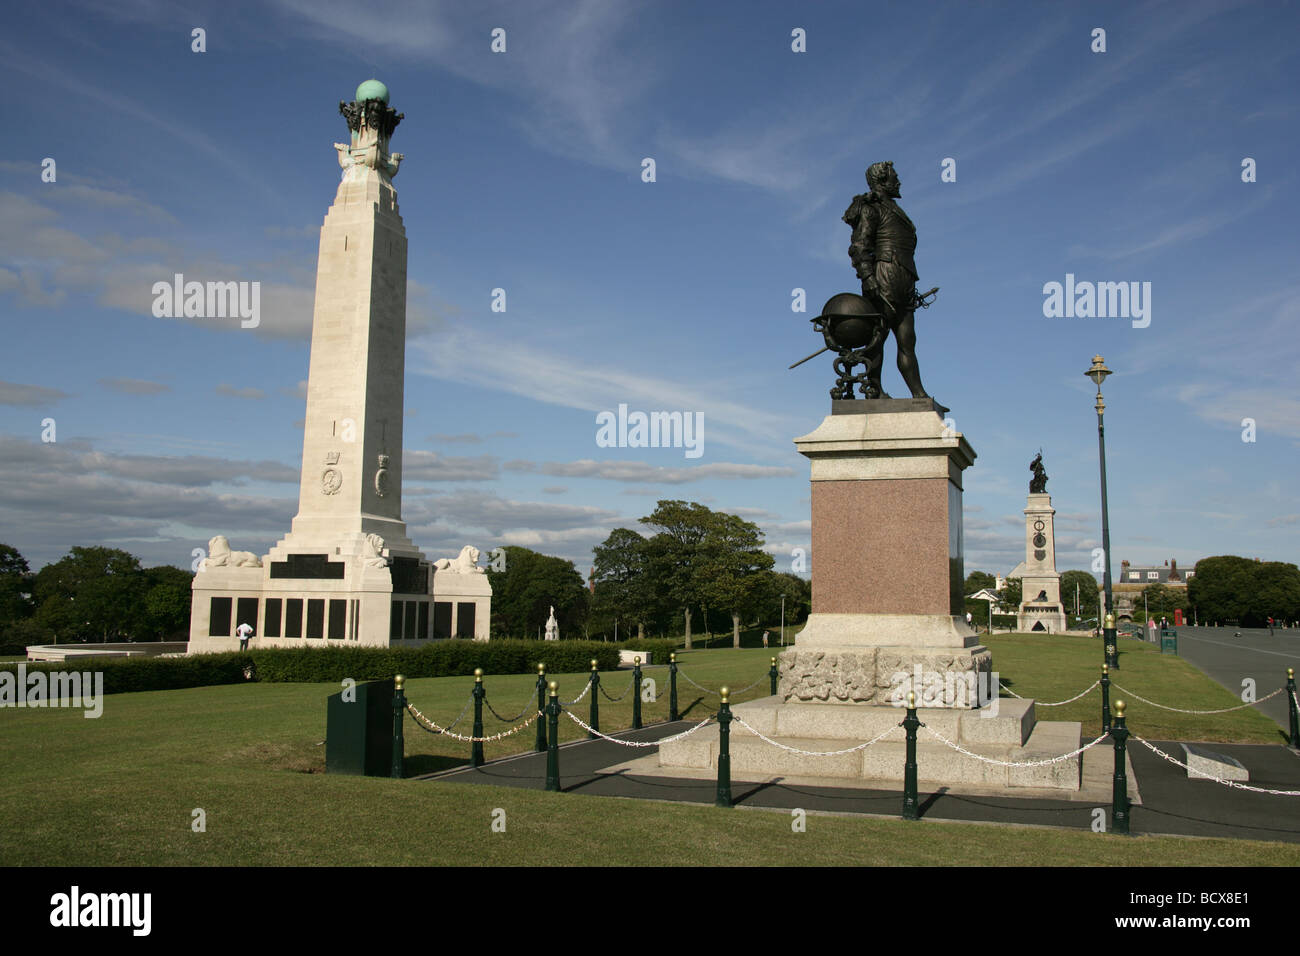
x=332, y=664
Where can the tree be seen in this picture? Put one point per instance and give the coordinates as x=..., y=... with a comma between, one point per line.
x=1085, y=586
x=1221, y=588
x=1275, y=593
x=1160, y=600
x=16, y=583
x=977, y=581
x=733, y=559
x=798, y=598
x=674, y=553
x=91, y=591
x=1012, y=594
x=166, y=603
x=530, y=584
x=624, y=585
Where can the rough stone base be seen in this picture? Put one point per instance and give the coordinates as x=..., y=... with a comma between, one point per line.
x=1012, y=735
x=940, y=677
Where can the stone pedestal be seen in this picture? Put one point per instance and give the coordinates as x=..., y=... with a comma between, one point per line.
x=888, y=616
x=887, y=555
x=1040, y=608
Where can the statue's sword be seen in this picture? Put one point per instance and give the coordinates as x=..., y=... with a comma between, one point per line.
x=922, y=301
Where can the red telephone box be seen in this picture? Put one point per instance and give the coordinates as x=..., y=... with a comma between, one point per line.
x=1178, y=617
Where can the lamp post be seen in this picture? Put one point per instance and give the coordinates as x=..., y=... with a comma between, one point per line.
x=783, y=620
x=1098, y=373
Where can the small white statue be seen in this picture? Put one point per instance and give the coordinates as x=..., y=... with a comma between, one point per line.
x=220, y=556
x=552, y=627
x=464, y=563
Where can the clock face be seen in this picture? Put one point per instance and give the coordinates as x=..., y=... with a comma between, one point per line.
x=1038, y=525
x=331, y=481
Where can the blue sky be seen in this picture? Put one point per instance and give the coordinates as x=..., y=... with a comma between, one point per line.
x=523, y=172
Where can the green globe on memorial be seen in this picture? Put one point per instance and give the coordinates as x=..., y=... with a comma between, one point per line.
x=372, y=90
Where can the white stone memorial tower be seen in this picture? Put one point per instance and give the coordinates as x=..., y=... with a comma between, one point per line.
x=1040, y=607
x=347, y=570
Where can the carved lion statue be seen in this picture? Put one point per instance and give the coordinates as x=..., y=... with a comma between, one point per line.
x=220, y=555
x=372, y=552
x=464, y=563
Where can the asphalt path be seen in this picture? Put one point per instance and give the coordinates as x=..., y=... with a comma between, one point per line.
x=1229, y=660
x=1171, y=803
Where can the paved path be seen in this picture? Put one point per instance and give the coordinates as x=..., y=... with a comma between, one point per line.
x=1171, y=803
x=1228, y=660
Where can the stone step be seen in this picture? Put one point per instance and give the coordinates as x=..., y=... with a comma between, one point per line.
x=937, y=764
x=1011, y=727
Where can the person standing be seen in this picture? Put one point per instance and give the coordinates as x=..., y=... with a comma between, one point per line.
x=245, y=631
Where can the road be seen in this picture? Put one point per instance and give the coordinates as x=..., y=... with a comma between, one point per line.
x=1230, y=660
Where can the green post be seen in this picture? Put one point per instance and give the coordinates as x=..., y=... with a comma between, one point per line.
x=595, y=701
x=476, y=748
x=911, y=800
x=1111, y=638
x=1105, y=698
x=724, y=752
x=636, y=693
x=541, y=707
x=771, y=676
x=672, y=688
x=1291, y=706
x=399, y=743
x=553, y=749
x=1119, y=811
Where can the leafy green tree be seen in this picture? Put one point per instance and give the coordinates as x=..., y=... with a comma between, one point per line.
x=91, y=592
x=978, y=580
x=16, y=583
x=1160, y=600
x=1085, y=586
x=675, y=553
x=733, y=559
x=1275, y=594
x=530, y=584
x=166, y=603
x=798, y=598
x=624, y=585
x=1221, y=589
x=1012, y=594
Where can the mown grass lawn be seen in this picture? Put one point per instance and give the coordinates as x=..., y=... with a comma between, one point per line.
x=121, y=790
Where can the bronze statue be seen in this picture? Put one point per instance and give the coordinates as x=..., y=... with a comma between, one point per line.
x=1038, y=483
x=882, y=249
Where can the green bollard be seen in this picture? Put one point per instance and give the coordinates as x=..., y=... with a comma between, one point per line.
x=476, y=748
x=771, y=675
x=594, y=721
x=911, y=800
x=1119, y=811
x=724, y=752
x=1291, y=706
x=541, y=707
x=1105, y=698
x=672, y=688
x=399, y=743
x=636, y=693
x=553, y=750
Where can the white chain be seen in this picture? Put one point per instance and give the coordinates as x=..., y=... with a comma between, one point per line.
x=635, y=743
x=734, y=693
x=427, y=724
x=1013, y=763
x=1039, y=703
x=813, y=753
x=578, y=699
x=1205, y=776
x=1179, y=710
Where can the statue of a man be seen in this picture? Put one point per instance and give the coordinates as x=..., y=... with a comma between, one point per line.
x=884, y=241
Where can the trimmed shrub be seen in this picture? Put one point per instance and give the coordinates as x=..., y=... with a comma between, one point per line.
x=331, y=664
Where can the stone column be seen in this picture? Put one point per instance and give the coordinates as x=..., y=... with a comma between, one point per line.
x=887, y=559
x=1038, y=575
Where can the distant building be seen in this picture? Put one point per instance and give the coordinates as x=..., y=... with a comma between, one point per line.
x=1134, y=578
